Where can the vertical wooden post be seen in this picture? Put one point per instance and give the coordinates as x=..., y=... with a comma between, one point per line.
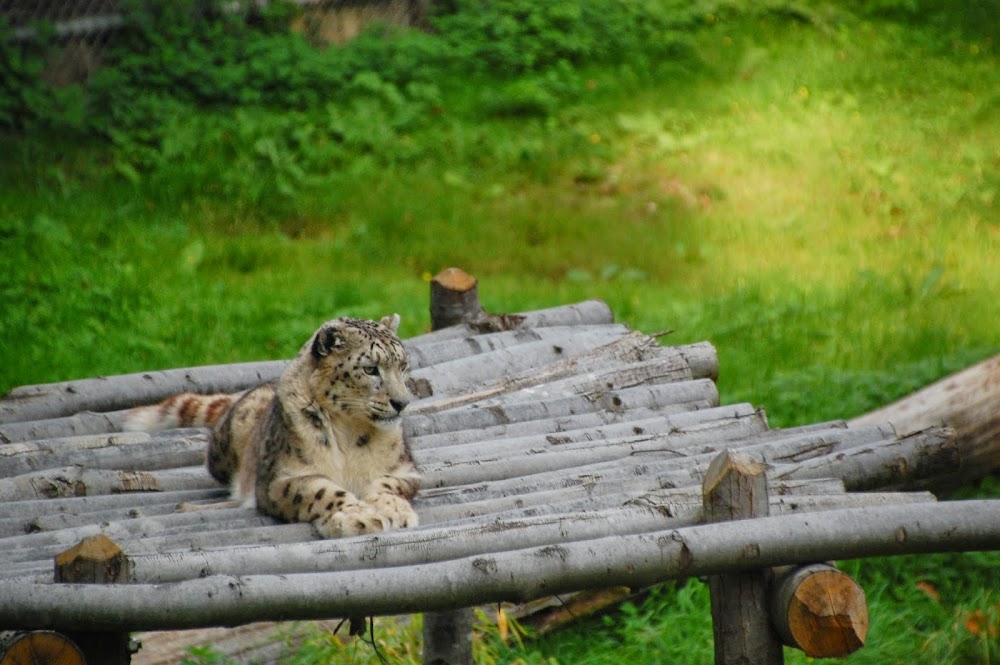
x=97, y=560
x=454, y=298
x=735, y=488
x=448, y=635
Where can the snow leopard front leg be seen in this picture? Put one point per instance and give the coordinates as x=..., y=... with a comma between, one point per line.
x=331, y=509
x=391, y=494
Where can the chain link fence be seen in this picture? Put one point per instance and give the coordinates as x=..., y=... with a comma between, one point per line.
x=83, y=30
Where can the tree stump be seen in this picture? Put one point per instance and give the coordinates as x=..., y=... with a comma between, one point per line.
x=735, y=488
x=820, y=610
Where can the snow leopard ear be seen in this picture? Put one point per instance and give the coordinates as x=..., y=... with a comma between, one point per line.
x=327, y=338
x=390, y=322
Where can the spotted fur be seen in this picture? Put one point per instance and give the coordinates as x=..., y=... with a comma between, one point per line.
x=324, y=443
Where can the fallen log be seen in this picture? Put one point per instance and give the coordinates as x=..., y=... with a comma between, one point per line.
x=634, y=561
x=969, y=403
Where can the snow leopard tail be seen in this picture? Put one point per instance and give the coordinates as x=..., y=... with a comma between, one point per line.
x=183, y=410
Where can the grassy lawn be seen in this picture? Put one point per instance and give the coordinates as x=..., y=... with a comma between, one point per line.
x=813, y=191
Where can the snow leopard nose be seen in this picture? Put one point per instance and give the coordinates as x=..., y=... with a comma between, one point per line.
x=398, y=404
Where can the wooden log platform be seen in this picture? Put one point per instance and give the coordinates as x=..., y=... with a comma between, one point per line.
x=561, y=452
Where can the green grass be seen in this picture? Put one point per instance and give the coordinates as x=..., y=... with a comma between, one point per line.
x=815, y=197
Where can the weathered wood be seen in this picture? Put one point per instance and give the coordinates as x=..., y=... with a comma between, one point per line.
x=512, y=366
x=681, y=463
x=735, y=488
x=524, y=456
x=38, y=647
x=82, y=423
x=969, y=403
x=900, y=463
x=434, y=353
x=632, y=561
x=96, y=561
x=454, y=298
x=432, y=544
x=548, y=615
x=588, y=312
x=132, y=501
x=819, y=609
x=605, y=400
x=78, y=481
x=53, y=400
x=127, y=451
x=637, y=361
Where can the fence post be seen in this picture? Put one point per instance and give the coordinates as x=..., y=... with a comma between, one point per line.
x=448, y=635
x=735, y=488
x=97, y=560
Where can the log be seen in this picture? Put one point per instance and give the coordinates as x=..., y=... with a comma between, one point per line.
x=434, y=543
x=679, y=466
x=85, y=422
x=31, y=508
x=525, y=364
x=897, y=464
x=523, y=456
x=819, y=609
x=77, y=481
x=969, y=403
x=53, y=400
x=588, y=312
x=127, y=451
x=639, y=361
x=20, y=548
x=735, y=488
x=633, y=561
x=97, y=560
x=435, y=353
x=433, y=443
x=475, y=417
x=454, y=299
x=38, y=646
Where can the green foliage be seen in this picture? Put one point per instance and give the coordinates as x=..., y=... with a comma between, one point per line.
x=811, y=187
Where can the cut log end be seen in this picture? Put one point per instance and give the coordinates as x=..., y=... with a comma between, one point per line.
x=454, y=298
x=821, y=611
x=39, y=646
x=455, y=279
x=94, y=560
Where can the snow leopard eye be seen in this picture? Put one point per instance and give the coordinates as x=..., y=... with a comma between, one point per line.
x=371, y=370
